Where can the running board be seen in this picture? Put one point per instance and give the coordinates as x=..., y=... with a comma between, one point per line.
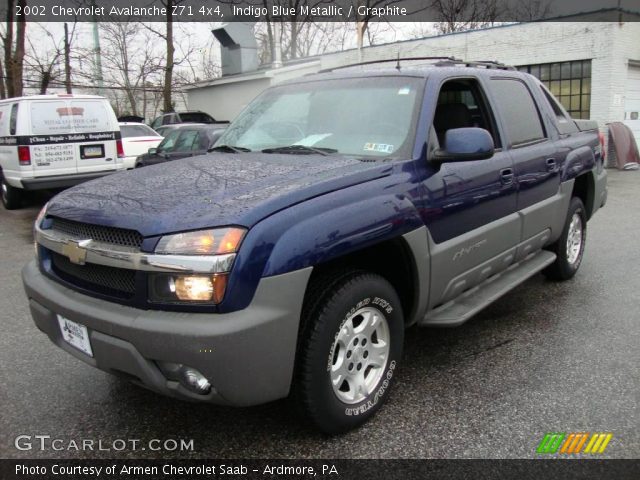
x=463, y=307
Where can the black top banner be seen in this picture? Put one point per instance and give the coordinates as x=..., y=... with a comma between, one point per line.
x=483, y=11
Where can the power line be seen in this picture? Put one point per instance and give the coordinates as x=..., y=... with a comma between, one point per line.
x=58, y=83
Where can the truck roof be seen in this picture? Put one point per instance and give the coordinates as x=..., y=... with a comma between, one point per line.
x=445, y=69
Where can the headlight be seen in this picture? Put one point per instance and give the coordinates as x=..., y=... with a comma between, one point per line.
x=194, y=288
x=203, y=242
x=36, y=224
x=41, y=215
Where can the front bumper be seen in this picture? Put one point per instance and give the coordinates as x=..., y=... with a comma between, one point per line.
x=248, y=356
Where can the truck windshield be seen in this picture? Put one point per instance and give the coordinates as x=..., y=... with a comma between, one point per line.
x=363, y=117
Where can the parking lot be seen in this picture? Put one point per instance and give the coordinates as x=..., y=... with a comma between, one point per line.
x=547, y=357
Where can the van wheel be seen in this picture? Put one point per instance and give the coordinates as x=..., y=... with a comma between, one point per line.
x=569, y=248
x=11, y=196
x=350, y=350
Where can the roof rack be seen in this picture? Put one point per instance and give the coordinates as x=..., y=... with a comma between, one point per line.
x=476, y=64
x=440, y=62
x=390, y=60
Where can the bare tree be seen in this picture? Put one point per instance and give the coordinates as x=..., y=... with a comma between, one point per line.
x=14, y=51
x=130, y=61
x=530, y=10
x=169, y=64
x=45, y=57
x=311, y=38
x=460, y=15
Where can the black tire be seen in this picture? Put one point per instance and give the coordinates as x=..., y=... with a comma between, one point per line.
x=331, y=303
x=563, y=268
x=11, y=196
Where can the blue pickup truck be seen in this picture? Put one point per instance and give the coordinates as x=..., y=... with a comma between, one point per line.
x=334, y=212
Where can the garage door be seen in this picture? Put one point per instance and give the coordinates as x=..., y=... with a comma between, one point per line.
x=632, y=101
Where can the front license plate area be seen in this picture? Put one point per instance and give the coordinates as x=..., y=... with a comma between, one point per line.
x=75, y=335
x=91, y=151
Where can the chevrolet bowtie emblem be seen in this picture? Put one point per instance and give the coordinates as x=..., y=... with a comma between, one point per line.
x=76, y=251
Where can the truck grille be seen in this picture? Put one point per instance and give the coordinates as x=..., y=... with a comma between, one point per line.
x=119, y=282
x=99, y=233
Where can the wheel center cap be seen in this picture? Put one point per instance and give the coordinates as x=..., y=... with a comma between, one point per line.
x=357, y=354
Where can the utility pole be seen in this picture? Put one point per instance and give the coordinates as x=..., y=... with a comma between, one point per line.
x=97, y=52
x=67, y=61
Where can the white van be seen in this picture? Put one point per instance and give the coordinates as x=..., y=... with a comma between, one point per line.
x=55, y=141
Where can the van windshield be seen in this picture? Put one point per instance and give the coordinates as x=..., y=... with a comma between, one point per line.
x=370, y=117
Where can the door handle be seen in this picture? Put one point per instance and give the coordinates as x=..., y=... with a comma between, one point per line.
x=551, y=164
x=506, y=176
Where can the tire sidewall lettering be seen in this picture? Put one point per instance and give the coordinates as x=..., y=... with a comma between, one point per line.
x=372, y=402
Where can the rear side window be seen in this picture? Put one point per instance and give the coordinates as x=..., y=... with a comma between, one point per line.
x=90, y=116
x=519, y=112
x=196, y=117
x=564, y=123
x=13, y=120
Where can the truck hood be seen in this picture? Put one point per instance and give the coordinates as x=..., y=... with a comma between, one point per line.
x=209, y=190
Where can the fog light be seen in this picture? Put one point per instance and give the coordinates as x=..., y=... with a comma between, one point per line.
x=195, y=381
x=189, y=377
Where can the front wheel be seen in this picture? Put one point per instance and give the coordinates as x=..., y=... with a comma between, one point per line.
x=351, y=350
x=569, y=248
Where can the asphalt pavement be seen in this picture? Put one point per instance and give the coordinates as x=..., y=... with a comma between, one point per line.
x=547, y=357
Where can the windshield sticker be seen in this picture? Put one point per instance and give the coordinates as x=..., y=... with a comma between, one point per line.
x=404, y=91
x=378, y=147
x=311, y=140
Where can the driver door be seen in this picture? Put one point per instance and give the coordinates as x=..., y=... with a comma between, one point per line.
x=470, y=206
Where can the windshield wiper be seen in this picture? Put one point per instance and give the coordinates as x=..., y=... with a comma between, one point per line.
x=228, y=149
x=300, y=149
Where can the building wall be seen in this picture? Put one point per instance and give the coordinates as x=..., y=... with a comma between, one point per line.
x=225, y=101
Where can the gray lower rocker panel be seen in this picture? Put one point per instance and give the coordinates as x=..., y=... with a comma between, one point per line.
x=460, y=309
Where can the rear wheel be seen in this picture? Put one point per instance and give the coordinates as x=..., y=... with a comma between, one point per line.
x=11, y=196
x=569, y=248
x=350, y=350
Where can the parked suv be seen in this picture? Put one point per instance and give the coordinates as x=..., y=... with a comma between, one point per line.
x=54, y=141
x=335, y=211
x=194, y=116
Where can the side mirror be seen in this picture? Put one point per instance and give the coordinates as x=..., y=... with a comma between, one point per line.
x=464, y=144
x=152, y=151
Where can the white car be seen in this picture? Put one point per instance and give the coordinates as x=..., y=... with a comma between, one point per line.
x=137, y=139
